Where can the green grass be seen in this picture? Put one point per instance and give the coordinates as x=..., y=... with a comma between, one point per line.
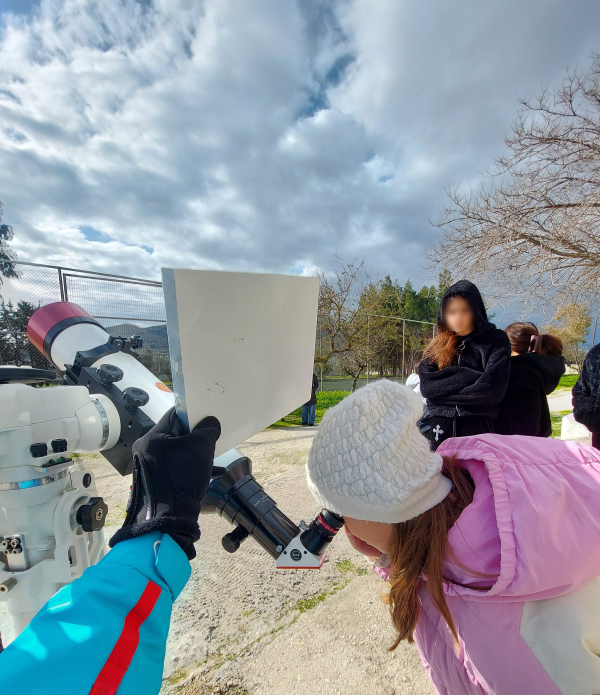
x=348, y=566
x=325, y=400
x=306, y=604
x=556, y=419
x=567, y=381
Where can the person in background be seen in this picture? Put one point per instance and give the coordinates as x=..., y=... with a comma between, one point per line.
x=465, y=369
x=105, y=633
x=309, y=409
x=491, y=545
x=413, y=382
x=536, y=365
x=586, y=395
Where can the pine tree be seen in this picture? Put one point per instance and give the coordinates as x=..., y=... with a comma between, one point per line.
x=7, y=256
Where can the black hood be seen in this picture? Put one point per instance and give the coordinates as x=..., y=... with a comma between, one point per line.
x=549, y=368
x=466, y=290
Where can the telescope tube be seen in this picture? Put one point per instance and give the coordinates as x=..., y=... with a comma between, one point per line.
x=61, y=330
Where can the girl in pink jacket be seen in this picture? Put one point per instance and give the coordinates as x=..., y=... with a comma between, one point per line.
x=491, y=545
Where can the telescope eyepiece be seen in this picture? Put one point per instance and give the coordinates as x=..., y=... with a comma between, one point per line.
x=331, y=521
x=321, y=531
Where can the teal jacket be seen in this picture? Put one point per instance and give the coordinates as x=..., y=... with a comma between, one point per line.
x=106, y=632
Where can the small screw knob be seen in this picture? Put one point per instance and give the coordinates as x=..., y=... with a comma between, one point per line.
x=58, y=445
x=38, y=450
x=91, y=516
x=136, y=341
x=134, y=398
x=108, y=374
x=232, y=541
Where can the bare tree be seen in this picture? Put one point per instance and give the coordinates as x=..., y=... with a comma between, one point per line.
x=348, y=301
x=532, y=227
x=354, y=362
x=571, y=324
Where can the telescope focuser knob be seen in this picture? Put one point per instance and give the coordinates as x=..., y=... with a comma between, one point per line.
x=134, y=398
x=91, y=516
x=109, y=374
x=136, y=341
x=232, y=541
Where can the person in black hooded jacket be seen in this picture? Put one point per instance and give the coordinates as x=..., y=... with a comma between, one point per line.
x=586, y=395
x=536, y=367
x=465, y=369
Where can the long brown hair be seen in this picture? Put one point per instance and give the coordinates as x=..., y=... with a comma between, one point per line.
x=525, y=337
x=443, y=349
x=419, y=549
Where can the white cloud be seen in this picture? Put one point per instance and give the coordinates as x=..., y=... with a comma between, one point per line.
x=258, y=135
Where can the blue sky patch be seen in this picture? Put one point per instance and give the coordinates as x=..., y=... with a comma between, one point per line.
x=93, y=234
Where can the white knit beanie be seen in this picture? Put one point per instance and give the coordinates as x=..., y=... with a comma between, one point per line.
x=369, y=461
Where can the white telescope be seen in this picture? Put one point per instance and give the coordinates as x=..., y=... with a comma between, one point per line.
x=78, y=345
x=51, y=517
x=50, y=514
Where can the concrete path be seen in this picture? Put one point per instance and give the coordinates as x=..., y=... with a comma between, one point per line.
x=560, y=400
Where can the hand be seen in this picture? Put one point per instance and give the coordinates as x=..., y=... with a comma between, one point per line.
x=171, y=474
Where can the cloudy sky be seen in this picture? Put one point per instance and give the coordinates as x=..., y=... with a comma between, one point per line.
x=260, y=135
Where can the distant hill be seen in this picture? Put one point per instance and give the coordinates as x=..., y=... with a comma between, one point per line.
x=153, y=336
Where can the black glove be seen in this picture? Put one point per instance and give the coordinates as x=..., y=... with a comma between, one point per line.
x=171, y=474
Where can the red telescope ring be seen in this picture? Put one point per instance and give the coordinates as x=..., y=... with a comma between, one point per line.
x=52, y=319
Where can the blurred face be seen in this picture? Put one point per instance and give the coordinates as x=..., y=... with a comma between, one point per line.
x=370, y=538
x=458, y=316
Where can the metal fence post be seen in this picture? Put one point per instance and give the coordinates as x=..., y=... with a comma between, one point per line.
x=321, y=357
x=60, y=285
x=403, y=332
x=368, y=344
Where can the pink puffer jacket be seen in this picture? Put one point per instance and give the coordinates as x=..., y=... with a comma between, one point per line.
x=535, y=522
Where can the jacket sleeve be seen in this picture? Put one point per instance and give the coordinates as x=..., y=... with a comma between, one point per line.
x=436, y=383
x=483, y=388
x=583, y=410
x=106, y=632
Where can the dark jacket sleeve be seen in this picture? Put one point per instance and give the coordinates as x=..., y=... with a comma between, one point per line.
x=436, y=383
x=583, y=401
x=482, y=388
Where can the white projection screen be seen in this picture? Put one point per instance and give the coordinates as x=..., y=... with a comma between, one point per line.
x=241, y=347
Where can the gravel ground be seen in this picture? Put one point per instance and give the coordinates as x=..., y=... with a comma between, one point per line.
x=243, y=627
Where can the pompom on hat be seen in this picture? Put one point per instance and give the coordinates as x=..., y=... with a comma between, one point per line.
x=369, y=461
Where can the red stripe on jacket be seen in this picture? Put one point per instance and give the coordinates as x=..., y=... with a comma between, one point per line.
x=115, y=668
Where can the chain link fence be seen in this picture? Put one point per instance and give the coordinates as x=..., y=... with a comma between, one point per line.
x=125, y=306
x=386, y=347
x=389, y=346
